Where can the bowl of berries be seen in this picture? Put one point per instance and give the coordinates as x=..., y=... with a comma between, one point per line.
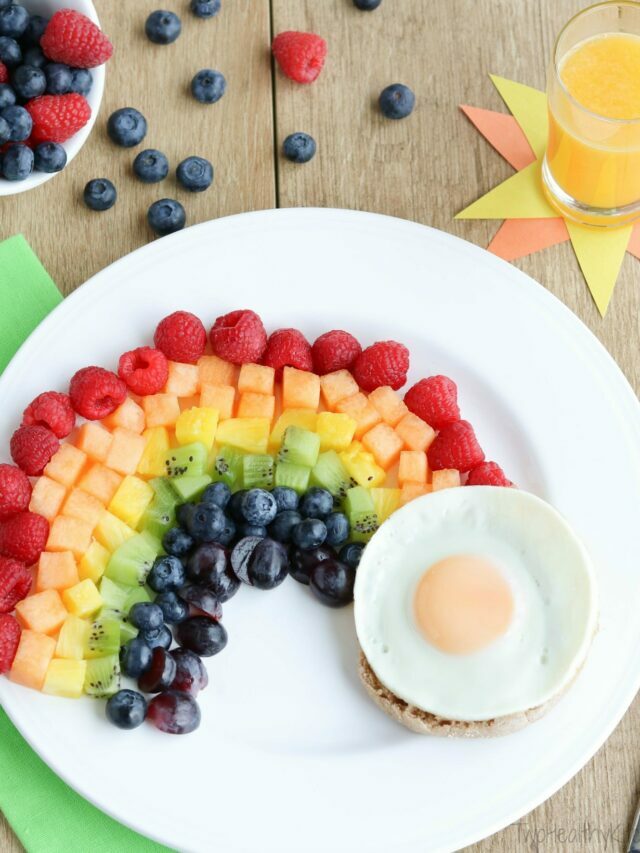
x=52, y=55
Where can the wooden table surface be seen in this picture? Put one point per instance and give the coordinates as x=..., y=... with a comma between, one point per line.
x=424, y=168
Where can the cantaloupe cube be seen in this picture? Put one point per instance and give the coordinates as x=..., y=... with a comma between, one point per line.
x=411, y=491
x=43, y=612
x=219, y=397
x=72, y=638
x=385, y=444
x=126, y=451
x=414, y=432
x=336, y=386
x=66, y=465
x=111, y=531
x=336, y=431
x=131, y=500
x=216, y=371
x=161, y=409
x=360, y=409
x=83, y=599
x=446, y=478
x=47, y=497
x=94, y=562
x=413, y=467
x=197, y=425
x=34, y=654
x=304, y=418
x=187, y=403
x=389, y=404
x=254, y=405
x=300, y=389
x=257, y=378
x=82, y=505
x=151, y=462
x=100, y=482
x=56, y=570
x=183, y=379
x=65, y=678
x=94, y=440
x=69, y=534
x=128, y=416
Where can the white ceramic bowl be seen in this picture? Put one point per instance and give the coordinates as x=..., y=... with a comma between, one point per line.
x=73, y=145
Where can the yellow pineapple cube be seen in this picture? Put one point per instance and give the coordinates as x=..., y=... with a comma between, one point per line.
x=386, y=501
x=362, y=467
x=66, y=465
x=151, y=462
x=94, y=440
x=125, y=451
x=83, y=599
x=183, y=379
x=94, y=562
x=161, y=409
x=72, y=638
x=100, y=482
x=197, y=424
x=128, y=416
x=131, y=500
x=300, y=389
x=69, y=534
x=336, y=430
x=304, y=418
x=217, y=371
x=254, y=405
x=248, y=434
x=219, y=397
x=65, y=678
x=47, y=497
x=257, y=378
x=111, y=531
x=82, y=505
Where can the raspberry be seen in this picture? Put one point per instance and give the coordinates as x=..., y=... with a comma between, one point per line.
x=15, y=491
x=300, y=55
x=4, y=73
x=32, y=447
x=455, y=446
x=52, y=410
x=287, y=348
x=75, y=40
x=336, y=350
x=57, y=117
x=96, y=392
x=15, y=583
x=145, y=370
x=239, y=337
x=488, y=474
x=435, y=400
x=383, y=363
x=181, y=337
x=9, y=640
x=24, y=537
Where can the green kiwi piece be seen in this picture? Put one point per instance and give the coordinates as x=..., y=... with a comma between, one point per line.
x=329, y=473
x=227, y=467
x=299, y=447
x=190, y=487
x=160, y=515
x=102, y=678
x=103, y=638
x=361, y=512
x=131, y=562
x=190, y=460
x=294, y=476
x=257, y=471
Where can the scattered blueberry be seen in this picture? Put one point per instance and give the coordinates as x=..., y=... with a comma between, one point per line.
x=151, y=166
x=218, y=494
x=282, y=525
x=191, y=675
x=202, y=599
x=301, y=563
x=337, y=525
x=397, y=101
x=206, y=523
x=316, y=503
x=135, y=657
x=229, y=532
x=246, y=529
x=58, y=77
x=10, y=51
x=183, y=513
x=174, y=609
x=160, y=638
x=235, y=505
x=14, y=20
x=100, y=194
x=332, y=582
x=7, y=96
x=163, y=27
x=49, y=157
x=81, y=81
x=146, y=616
x=202, y=635
x=35, y=29
x=174, y=712
x=17, y=163
x=299, y=147
x=268, y=564
x=160, y=673
x=5, y=131
x=208, y=86
x=351, y=554
x=258, y=507
x=195, y=174
x=127, y=127
x=310, y=533
x=167, y=573
x=126, y=709
x=19, y=121
x=166, y=216
x=177, y=542
x=366, y=5
x=205, y=8
x=29, y=82
x=35, y=56
x=285, y=497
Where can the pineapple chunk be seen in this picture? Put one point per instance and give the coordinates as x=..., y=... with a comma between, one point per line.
x=336, y=431
x=362, y=467
x=151, y=462
x=83, y=599
x=72, y=638
x=65, y=678
x=197, y=425
x=248, y=434
x=131, y=500
x=386, y=501
x=94, y=562
x=112, y=531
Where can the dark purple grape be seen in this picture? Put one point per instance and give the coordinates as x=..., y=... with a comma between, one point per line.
x=268, y=564
x=225, y=586
x=240, y=556
x=191, y=675
x=332, y=582
x=202, y=635
x=206, y=562
x=174, y=712
x=202, y=601
x=301, y=563
x=160, y=674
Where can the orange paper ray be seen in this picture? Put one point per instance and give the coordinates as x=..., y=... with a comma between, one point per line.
x=519, y=237
x=504, y=133
x=634, y=242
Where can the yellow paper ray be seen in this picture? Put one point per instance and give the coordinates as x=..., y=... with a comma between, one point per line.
x=600, y=252
x=519, y=197
x=529, y=108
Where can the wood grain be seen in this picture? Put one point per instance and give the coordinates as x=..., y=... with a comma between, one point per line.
x=424, y=168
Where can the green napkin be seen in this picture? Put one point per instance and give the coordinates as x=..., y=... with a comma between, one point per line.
x=46, y=815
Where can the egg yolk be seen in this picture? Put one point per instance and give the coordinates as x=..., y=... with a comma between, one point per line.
x=462, y=603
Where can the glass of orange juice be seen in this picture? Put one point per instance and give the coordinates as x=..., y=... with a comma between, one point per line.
x=591, y=169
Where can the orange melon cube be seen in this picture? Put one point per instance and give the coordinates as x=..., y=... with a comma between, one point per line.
x=47, y=497
x=413, y=467
x=216, y=371
x=66, y=465
x=100, y=482
x=69, y=534
x=187, y=403
x=336, y=386
x=220, y=397
x=83, y=506
x=253, y=405
x=360, y=409
x=411, y=491
x=34, y=654
x=257, y=378
x=129, y=416
x=161, y=409
x=389, y=405
x=384, y=443
x=183, y=379
x=446, y=478
x=300, y=389
x=94, y=440
x=56, y=571
x=43, y=612
x=415, y=433
x=125, y=451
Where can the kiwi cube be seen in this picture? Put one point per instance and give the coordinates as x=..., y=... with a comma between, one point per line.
x=257, y=471
x=103, y=639
x=227, y=467
x=102, y=678
x=361, y=512
x=299, y=447
x=293, y=476
x=131, y=562
x=189, y=487
x=191, y=460
x=329, y=473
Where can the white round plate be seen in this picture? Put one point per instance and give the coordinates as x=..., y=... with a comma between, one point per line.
x=291, y=755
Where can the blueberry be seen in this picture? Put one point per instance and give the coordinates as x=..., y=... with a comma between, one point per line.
x=268, y=564
x=135, y=657
x=7, y=96
x=127, y=709
x=174, y=712
x=49, y=157
x=191, y=676
x=285, y=497
x=205, y=8
x=195, y=174
x=81, y=81
x=151, y=166
x=229, y=532
x=10, y=51
x=258, y=507
x=397, y=101
x=13, y=21
x=58, y=77
x=206, y=523
x=100, y=194
x=127, y=127
x=208, y=86
x=17, y=163
x=146, y=616
x=29, y=82
x=218, y=494
x=309, y=534
x=34, y=56
x=302, y=563
x=366, y=5
x=246, y=529
x=299, y=147
x=184, y=513
x=337, y=525
x=177, y=542
x=161, y=638
x=19, y=121
x=351, y=554
x=167, y=573
x=202, y=635
x=163, y=27
x=35, y=29
x=235, y=505
x=316, y=503
x=174, y=609
x=282, y=525
x=166, y=216
x=332, y=582
x=5, y=131
x=160, y=673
